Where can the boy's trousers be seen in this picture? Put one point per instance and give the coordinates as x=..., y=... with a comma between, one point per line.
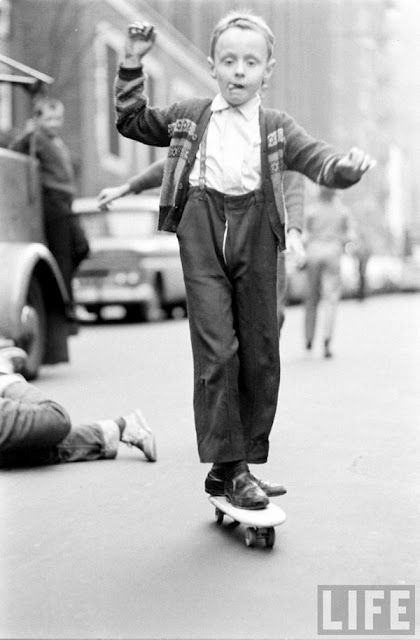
x=229, y=260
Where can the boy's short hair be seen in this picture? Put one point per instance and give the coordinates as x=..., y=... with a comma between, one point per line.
x=244, y=20
x=46, y=104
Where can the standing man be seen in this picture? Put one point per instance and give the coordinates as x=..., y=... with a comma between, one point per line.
x=327, y=230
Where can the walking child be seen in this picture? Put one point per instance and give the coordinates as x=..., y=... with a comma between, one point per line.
x=222, y=195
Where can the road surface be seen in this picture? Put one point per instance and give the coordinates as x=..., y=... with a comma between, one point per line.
x=130, y=549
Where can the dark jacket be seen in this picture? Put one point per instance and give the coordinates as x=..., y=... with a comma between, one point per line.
x=54, y=158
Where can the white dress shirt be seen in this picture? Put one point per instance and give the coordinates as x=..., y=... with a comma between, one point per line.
x=233, y=162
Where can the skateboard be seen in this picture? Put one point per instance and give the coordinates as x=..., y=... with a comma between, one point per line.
x=260, y=523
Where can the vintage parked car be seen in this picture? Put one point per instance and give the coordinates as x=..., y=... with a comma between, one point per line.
x=131, y=264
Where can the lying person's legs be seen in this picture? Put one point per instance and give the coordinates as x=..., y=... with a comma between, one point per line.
x=37, y=430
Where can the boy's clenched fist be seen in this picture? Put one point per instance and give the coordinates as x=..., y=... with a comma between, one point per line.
x=140, y=39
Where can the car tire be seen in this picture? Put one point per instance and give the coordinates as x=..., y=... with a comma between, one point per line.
x=93, y=308
x=34, y=335
x=137, y=312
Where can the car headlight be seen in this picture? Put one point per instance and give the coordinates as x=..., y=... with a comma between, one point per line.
x=130, y=278
x=133, y=278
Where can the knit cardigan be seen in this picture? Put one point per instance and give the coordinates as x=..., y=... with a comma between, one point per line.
x=284, y=145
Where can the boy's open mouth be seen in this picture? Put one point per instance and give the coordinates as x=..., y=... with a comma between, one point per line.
x=236, y=86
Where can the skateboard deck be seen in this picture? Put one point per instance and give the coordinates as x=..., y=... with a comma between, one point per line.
x=260, y=523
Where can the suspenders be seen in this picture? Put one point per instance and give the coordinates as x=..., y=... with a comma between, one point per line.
x=203, y=149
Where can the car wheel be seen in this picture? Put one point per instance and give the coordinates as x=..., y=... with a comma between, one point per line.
x=34, y=325
x=137, y=312
x=144, y=311
x=96, y=310
x=177, y=311
x=93, y=308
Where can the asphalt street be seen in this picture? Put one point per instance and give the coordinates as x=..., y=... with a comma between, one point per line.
x=130, y=549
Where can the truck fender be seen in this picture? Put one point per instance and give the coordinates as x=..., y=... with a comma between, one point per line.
x=21, y=263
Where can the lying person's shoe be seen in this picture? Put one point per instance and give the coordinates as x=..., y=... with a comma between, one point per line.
x=243, y=492
x=271, y=489
x=12, y=359
x=137, y=433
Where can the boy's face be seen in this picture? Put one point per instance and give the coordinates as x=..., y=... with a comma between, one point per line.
x=240, y=64
x=51, y=120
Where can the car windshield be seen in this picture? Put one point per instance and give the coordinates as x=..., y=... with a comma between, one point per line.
x=119, y=224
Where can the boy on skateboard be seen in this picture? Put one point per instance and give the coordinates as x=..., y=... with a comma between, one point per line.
x=222, y=195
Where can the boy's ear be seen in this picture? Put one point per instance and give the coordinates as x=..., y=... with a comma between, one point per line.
x=211, y=65
x=269, y=69
x=267, y=73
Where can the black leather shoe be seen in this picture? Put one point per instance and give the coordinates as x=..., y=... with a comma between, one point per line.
x=243, y=492
x=214, y=483
x=270, y=489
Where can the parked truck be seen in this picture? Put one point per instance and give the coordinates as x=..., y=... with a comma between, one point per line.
x=33, y=296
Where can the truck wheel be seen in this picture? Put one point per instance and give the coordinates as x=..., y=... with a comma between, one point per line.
x=34, y=323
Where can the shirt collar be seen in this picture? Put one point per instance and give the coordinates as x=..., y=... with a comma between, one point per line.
x=248, y=109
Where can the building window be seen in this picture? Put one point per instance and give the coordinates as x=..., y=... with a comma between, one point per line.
x=113, y=137
x=113, y=150
x=4, y=19
x=150, y=92
x=5, y=107
x=116, y=153
x=154, y=89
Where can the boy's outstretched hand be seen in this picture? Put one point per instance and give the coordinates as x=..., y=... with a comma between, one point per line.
x=295, y=245
x=354, y=164
x=109, y=194
x=140, y=39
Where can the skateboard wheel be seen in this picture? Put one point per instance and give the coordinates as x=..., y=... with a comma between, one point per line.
x=219, y=515
x=250, y=537
x=270, y=538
